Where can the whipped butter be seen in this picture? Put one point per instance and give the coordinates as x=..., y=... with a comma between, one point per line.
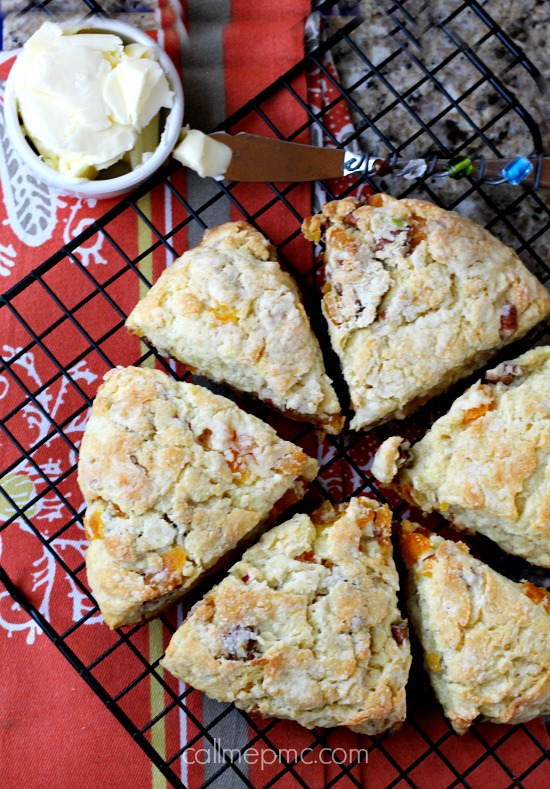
x=203, y=154
x=87, y=101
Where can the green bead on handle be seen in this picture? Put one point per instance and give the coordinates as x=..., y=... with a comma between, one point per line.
x=460, y=167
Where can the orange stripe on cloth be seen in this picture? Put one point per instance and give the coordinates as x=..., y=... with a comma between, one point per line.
x=158, y=731
x=165, y=213
x=263, y=41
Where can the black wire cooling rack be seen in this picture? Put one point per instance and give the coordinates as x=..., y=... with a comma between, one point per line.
x=60, y=334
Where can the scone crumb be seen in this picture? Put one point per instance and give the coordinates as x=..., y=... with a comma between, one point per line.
x=392, y=455
x=312, y=228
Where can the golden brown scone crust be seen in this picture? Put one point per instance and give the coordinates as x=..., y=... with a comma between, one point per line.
x=416, y=298
x=306, y=625
x=173, y=477
x=486, y=464
x=486, y=639
x=227, y=310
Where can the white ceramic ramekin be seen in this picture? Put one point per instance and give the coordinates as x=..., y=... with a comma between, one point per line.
x=108, y=187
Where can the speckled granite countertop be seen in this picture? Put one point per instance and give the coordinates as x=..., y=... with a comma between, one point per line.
x=479, y=104
x=21, y=20
x=527, y=22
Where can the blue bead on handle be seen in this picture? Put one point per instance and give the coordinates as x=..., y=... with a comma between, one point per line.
x=517, y=170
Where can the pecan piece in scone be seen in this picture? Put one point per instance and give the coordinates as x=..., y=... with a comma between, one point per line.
x=505, y=373
x=240, y=643
x=508, y=320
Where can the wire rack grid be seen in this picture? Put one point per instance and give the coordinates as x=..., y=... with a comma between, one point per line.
x=44, y=413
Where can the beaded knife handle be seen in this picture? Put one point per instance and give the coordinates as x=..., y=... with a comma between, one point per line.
x=533, y=171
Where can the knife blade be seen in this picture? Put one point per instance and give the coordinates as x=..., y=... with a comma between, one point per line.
x=263, y=159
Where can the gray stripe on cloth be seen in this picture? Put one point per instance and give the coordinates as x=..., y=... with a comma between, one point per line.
x=230, y=734
x=199, y=191
x=203, y=63
x=205, y=97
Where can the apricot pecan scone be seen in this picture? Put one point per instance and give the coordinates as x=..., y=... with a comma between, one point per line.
x=486, y=639
x=227, y=310
x=174, y=477
x=306, y=626
x=485, y=465
x=416, y=298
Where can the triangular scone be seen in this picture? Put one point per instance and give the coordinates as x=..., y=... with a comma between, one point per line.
x=227, y=310
x=486, y=464
x=306, y=625
x=486, y=639
x=174, y=477
x=416, y=298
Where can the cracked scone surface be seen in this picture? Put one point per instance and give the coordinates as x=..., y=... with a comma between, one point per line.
x=486, y=639
x=173, y=477
x=227, y=310
x=416, y=298
x=485, y=465
x=306, y=626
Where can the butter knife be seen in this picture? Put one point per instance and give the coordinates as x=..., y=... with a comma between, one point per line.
x=264, y=159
